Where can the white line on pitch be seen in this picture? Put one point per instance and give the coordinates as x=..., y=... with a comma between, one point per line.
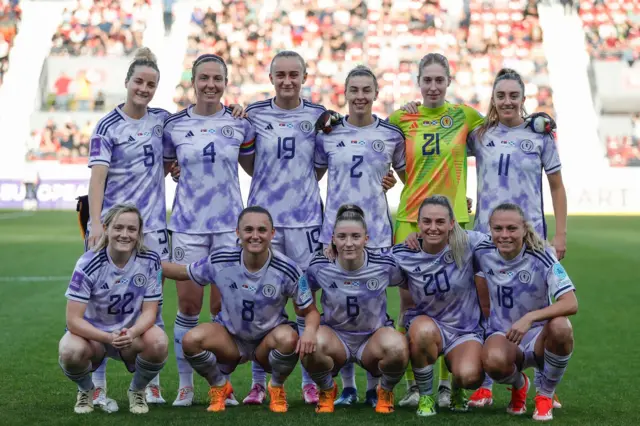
x=33, y=279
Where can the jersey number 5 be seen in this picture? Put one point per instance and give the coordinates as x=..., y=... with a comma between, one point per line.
x=431, y=144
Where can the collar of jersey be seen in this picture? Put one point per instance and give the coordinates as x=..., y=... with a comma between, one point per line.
x=129, y=262
x=515, y=259
x=345, y=123
x=260, y=272
x=423, y=110
x=129, y=119
x=508, y=129
x=277, y=108
x=192, y=114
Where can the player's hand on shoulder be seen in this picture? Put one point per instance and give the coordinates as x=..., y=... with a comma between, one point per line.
x=388, y=181
x=326, y=121
x=237, y=111
x=412, y=241
x=328, y=253
x=541, y=122
x=411, y=107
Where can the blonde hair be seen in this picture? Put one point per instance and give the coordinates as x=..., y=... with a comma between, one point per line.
x=491, y=119
x=112, y=215
x=289, y=54
x=531, y=238
x=144, y=57
x=458, y=238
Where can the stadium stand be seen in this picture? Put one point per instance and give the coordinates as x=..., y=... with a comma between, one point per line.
x=9, y=22
x=612, y=35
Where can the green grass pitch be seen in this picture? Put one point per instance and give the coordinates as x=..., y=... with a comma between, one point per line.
x=603, y=260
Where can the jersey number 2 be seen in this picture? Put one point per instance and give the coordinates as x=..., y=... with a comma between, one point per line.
x=357, y=160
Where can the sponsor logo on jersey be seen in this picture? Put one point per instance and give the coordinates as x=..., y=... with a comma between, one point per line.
x=491, y=144
x=446, y=121
x=361, y=143
x=227, y=131
x=268, y=290
x=378, y=145
x=212, y=131
x=430, y=123
x=105, y=286
x=131, y=139
x=414, y=125
x=524, y=277
x=289, y=125
x=306, y=126
x=417, y=269
x=559, y=271
x=95, y=145
x=507, y=273
x=333, y=285
x=373, y=284
x=341, y=144
x=123, y=281
x=139, y=280
x=233, y=286
x=508, y=143
x=352, y=283
x=526, y=145
x=490, y=272
x=189, y=134
x=269, y=127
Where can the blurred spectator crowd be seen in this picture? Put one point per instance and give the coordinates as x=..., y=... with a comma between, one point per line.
x=388, y=36
x=101, y=27
x=625, y=151
x=67, y=142
x=9, y=22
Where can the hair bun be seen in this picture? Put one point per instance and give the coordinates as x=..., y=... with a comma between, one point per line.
x=350, y=208
x=145, y=54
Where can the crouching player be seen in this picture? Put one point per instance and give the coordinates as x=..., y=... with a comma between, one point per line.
x=525, y=328
x=354, y=303
x=255, y=283
x=112, y=305
x=445, y=318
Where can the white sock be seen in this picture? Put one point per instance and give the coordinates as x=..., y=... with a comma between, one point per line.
x=99, y=376
x=348, y=375
x=183, y=324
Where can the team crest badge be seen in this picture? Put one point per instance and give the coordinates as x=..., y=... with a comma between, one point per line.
x=524, y=277
x=373, y=284
x=526, y=145
x=268, y=290
x=178, y=253
x=378, y=145
x=227, y=131
x=446, y=121
x=139, y=280
x=157, y=130
x=306, y=126
x=448, y=257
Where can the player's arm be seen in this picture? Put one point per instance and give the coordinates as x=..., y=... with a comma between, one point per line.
x=308, y=341
x=248, y=148
x=97, y=182
x=247, y=162
x=146, y=319
x=173, y=271
x=79, y=326
x=559, y=200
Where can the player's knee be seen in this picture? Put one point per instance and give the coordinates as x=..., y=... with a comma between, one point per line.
x=560, y=330
x=72, y=354
x=192, y=342
x=495, y=362
x=425, y=333
x=469, y=375
x=190, y=307
x=156, y=343
x=286, y=340
x=395, y=347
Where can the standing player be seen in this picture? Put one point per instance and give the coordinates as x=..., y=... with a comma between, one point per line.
x=525, y=328
x=355, y=330
x=358, y=154
x=284, y=181
x=111, y=309
x=446, y=318
x=208, y=143
x=255, y=283
x=510, y=159
x=436, y=133
x=126, y=166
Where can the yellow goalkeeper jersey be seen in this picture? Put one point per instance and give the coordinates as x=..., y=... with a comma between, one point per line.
x=436, y=152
